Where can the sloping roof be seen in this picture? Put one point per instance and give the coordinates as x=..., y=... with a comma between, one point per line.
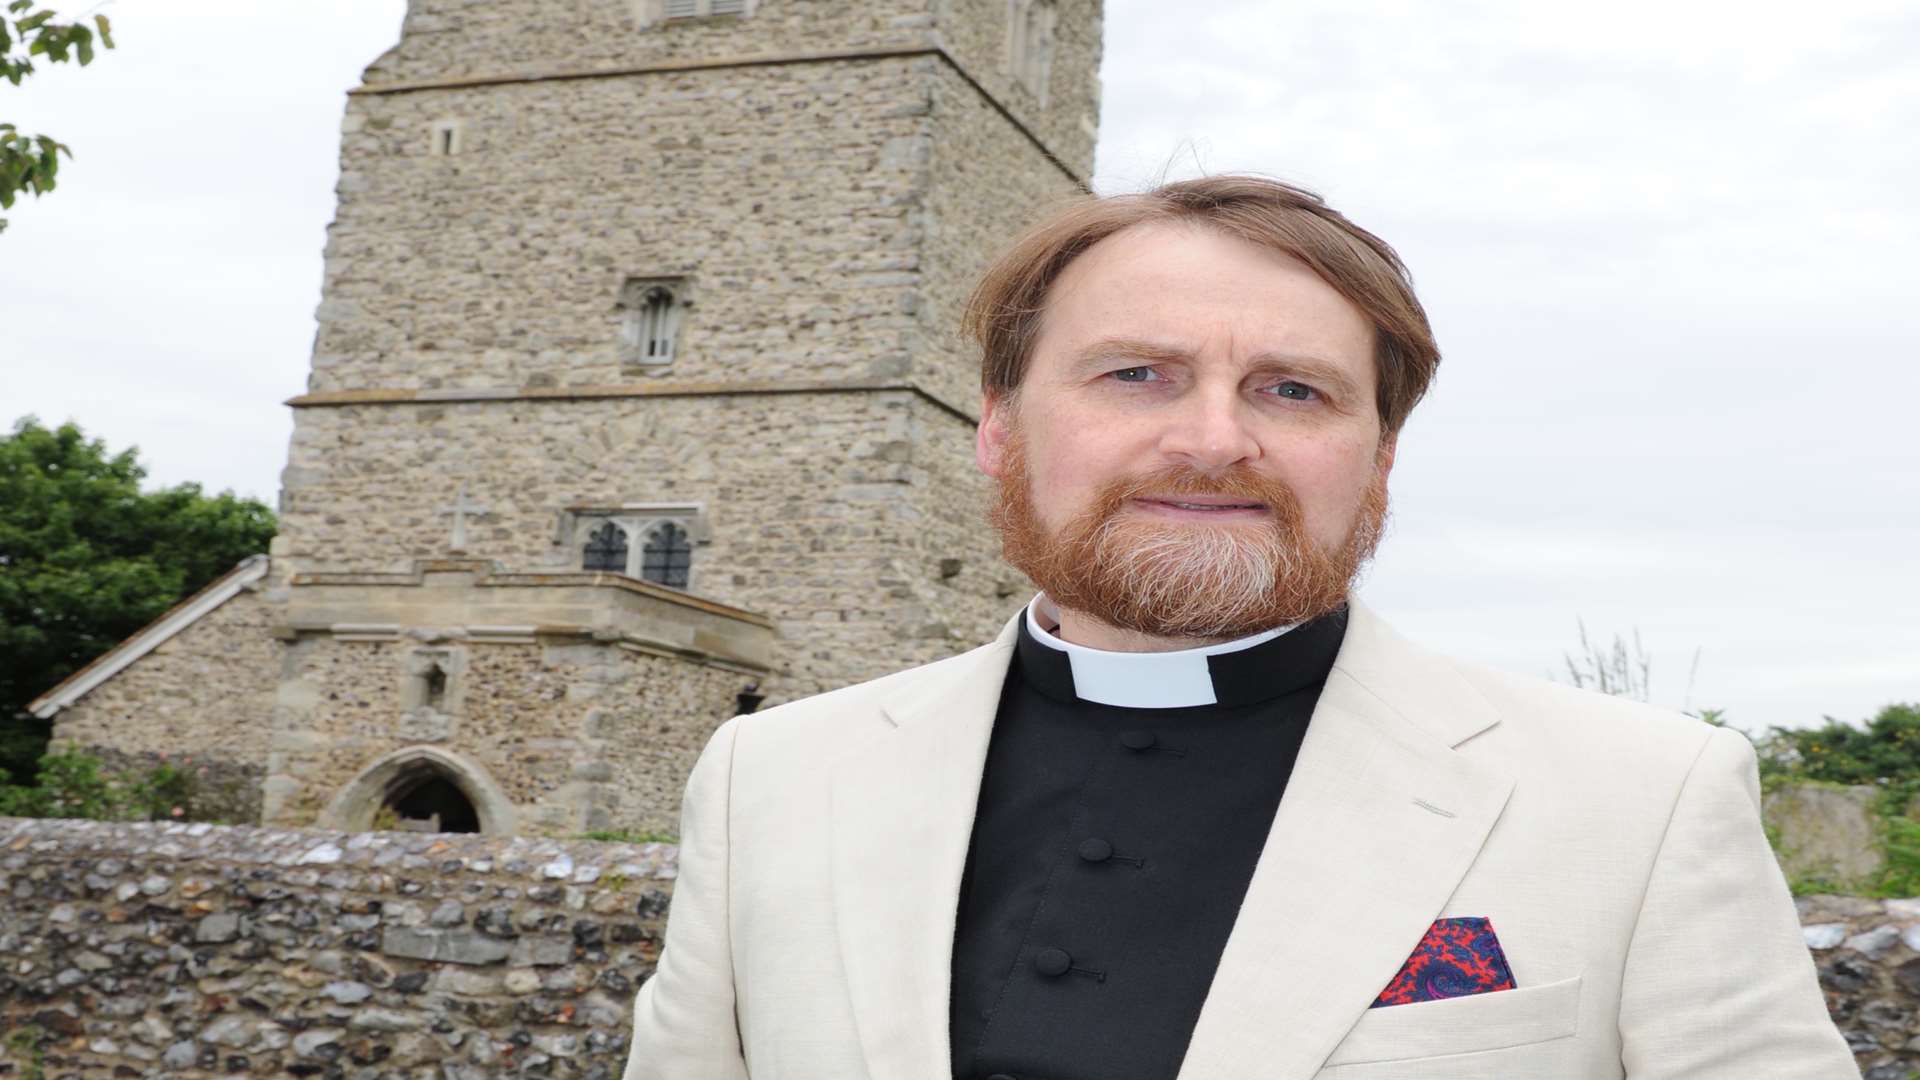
x=150, y=637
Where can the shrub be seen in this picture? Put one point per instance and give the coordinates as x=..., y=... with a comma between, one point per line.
x=1885, y=751
x=75, y=785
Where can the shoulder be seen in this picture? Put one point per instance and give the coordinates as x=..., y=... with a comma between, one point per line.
x=1584, y=732
x=1499, y=714
x=828, y=719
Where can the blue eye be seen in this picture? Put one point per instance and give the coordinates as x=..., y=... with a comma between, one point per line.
x=1134, y=374
x=1295, y=391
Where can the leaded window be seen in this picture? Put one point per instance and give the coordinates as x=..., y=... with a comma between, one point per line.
x=650, y=320
x=649, y=541
x=606, y=549
x=666, y=556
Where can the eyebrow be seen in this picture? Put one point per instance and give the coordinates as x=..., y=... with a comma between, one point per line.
x=1313, y=368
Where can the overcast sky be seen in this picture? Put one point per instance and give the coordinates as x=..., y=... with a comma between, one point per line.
x=1667, y=248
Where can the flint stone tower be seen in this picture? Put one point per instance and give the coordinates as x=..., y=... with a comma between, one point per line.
x=636, y=389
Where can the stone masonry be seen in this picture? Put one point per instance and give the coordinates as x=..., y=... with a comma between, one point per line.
x=816, y=184
x=174, y=950
x=200, y=951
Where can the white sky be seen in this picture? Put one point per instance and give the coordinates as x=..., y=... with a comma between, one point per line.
x=1665, y=246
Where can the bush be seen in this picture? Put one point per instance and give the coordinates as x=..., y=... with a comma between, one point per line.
x=75, y=785
x=1884, y=754
x=1886, y=751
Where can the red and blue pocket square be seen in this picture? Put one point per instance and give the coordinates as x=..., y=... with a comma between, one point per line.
x=1456, y=957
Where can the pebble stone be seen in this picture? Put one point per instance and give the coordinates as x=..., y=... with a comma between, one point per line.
x=245, y=959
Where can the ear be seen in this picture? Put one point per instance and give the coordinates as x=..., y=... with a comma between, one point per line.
x=991, y=435
x=990, y=438
x=1389, y=445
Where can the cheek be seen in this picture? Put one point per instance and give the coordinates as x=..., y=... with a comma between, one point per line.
x=1330, y=481
x=1066, y=473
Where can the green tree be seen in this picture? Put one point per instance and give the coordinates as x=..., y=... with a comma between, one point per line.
x=1885, y=751
x=31, y=162
x=87, y=558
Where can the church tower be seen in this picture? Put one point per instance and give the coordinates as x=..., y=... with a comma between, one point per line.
x=637, y=399
x=637, y=395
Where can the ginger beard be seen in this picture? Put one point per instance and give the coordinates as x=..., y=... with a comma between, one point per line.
x=1179, y=579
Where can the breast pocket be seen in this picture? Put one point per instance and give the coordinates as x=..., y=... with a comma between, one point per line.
x=1462, y=1025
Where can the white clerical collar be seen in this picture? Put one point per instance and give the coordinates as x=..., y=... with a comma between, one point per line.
x=1140, y=680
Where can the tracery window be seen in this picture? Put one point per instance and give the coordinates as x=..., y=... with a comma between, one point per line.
x=606, y=549
x=667, y=556
x=650, y=541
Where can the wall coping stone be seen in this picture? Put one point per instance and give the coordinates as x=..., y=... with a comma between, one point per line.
x=541, y=860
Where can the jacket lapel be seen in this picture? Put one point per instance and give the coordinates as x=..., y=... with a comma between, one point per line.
x=1380, y=821
x=902, y=814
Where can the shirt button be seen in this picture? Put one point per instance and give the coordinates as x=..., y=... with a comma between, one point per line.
x=1137, y=740
x=1052, y=961
x=1095, y=849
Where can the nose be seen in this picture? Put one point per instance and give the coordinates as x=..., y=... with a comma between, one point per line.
x=1208, y=429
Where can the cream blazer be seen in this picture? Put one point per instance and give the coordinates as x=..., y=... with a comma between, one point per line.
x=1616, y=848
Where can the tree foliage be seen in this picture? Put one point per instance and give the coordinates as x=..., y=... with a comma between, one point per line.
x=32, y=162
x=76, y=785
x=1885, y=751
x=87, y=558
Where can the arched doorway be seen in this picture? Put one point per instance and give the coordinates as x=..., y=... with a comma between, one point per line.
x=426, y=800
x=417, y=784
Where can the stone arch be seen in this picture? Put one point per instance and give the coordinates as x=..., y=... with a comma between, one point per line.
x=354, y=807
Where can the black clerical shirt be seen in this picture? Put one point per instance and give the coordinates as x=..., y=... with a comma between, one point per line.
x=1111, y=848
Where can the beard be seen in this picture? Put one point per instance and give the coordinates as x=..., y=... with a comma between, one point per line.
x=1182, y=579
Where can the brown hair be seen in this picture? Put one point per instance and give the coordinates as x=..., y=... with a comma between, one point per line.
x=1003, y=315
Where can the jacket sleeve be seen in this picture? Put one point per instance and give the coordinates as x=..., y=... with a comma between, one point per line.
x=684, y=1024
x=1719, y=984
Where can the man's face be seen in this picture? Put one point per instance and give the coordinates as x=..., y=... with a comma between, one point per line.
x=1197, y=408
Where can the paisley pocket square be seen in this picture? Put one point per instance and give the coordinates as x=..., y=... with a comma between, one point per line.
x=1457, y=956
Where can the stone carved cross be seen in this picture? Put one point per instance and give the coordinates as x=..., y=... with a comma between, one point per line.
x=460, y=509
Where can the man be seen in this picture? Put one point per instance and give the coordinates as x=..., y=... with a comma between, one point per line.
x=1195, y=813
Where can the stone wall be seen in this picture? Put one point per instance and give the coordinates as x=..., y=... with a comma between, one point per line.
x=577, y=736
x=837, y=525
x=205, y=694
x=971, y=146
x=783, y=193
x=451, y=39
x=174, y=950
x=1868, y=954
x=975, y=33
x=201, y=950
x=1829, y=835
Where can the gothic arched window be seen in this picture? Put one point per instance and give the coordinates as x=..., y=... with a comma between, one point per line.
x=650, y=321
x=667, y=555
x=606, y=549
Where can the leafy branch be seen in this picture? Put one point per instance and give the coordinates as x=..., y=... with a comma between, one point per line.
x=32, y=162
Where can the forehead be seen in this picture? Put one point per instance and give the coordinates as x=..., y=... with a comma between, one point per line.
x=1201, y=291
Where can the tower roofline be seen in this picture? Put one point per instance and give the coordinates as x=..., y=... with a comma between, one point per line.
x=562, y=74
